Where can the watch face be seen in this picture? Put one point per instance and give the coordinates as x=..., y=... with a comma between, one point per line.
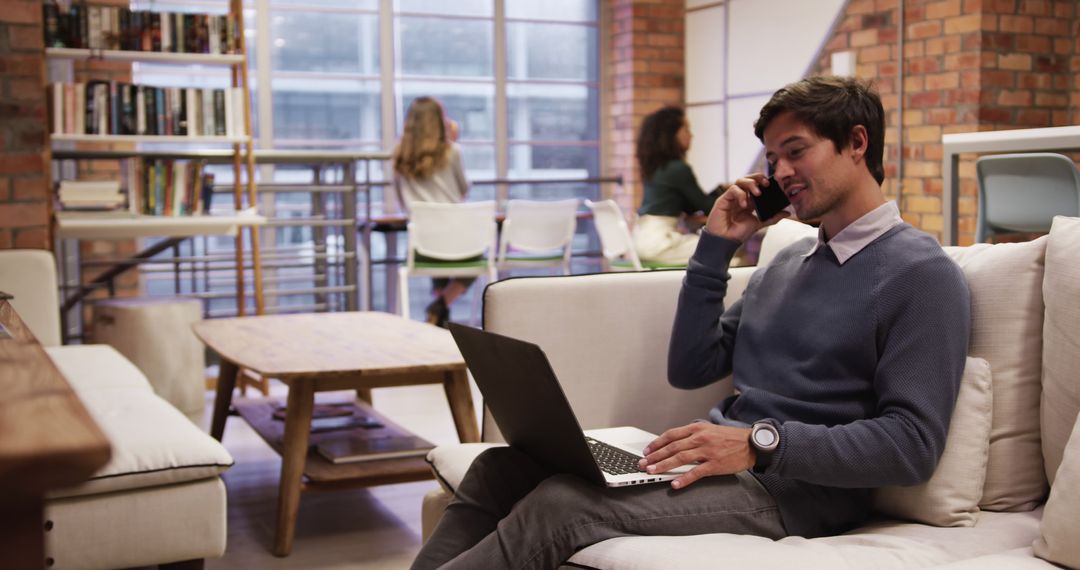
x=764, y=437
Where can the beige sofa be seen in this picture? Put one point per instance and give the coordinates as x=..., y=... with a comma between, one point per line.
x=986, y=505
x=160, y=499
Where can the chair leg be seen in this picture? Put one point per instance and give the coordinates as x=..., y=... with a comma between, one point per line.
x=478, y=299
x=403, y=292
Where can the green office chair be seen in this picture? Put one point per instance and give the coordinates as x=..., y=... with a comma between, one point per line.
x=1023, y=192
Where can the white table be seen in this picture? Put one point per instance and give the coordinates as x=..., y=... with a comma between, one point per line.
x=992, y=142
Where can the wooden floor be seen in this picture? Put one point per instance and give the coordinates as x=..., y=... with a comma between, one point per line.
x=377, y=527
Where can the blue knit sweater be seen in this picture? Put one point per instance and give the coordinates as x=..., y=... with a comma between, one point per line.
x=859, y=364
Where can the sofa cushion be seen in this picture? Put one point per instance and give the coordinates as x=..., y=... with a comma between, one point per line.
x=951, y=496
x=152, y=442
x=882, y=546
x=450, y=462
x=92, y=368
x=1016, y=559
x=1061, y=340
x=30, y=276
x=1058, y=541
x=780, y=235
x=1007, y=321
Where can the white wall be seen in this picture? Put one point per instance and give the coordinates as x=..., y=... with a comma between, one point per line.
x=738, y=52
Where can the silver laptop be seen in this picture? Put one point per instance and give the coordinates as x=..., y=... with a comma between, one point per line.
x=528, y=404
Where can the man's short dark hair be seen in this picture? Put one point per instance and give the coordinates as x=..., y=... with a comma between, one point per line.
x=832, y=106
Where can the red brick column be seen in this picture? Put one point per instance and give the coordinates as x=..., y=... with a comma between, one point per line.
x=646, y=63
x=24, y=152
x=969, y=65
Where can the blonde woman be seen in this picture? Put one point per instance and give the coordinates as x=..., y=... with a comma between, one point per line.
x=427, y=168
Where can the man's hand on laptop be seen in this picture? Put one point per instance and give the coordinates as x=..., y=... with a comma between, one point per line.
x=718, y=450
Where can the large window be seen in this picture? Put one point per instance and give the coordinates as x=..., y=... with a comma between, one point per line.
x=520, y=77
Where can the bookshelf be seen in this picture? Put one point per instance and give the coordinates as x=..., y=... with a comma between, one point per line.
x=108, y=227
x=135, y=139
x=85, y=31
x=79, y=54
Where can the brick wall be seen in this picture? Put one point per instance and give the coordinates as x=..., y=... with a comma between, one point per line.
x=969, y=65
x=25, y=156
x=24, y=153
x=645, y=72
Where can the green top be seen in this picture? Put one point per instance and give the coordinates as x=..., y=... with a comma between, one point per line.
x=672, y=190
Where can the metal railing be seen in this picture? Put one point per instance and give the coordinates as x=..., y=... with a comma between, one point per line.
x=336, y=228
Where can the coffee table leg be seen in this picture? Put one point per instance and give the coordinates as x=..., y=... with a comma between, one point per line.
x=364, y=394
x=225, y=383
x=294, y=454
x=456, y=384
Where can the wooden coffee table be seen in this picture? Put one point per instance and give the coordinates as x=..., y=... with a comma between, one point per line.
x=333, y=351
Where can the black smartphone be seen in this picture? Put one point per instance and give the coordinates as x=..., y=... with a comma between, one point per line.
x=772, y=200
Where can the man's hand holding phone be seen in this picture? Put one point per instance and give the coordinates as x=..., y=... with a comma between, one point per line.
x=734, y=215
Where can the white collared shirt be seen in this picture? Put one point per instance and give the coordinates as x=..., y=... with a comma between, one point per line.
x=858, y=234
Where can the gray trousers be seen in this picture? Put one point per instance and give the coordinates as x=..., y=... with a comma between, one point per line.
x=509, y=512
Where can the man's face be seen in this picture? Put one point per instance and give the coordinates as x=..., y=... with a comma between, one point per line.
x=815, y=177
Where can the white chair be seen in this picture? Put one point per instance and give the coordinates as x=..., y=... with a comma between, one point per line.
x=616, y=242
x=1023, y=192
x=455, y=235
x=534, y=232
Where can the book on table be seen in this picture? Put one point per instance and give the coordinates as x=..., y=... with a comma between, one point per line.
x=373, y=446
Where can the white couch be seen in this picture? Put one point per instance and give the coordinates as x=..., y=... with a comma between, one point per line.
x=159, y=500
x=986, y=505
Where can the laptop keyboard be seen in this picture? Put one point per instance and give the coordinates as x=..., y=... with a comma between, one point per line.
x=613, y=460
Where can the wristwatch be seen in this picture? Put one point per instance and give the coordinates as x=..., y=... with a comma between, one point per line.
x=765, y=439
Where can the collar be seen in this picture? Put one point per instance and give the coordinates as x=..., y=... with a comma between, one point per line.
x=860, y=233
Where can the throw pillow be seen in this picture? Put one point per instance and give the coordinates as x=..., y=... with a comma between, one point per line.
x=1006, y=329
x=1057, y=541
x=1061, y=340
x=951, y=496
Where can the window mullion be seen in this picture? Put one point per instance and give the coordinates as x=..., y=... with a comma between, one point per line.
x=502, y=149
x=388, y=95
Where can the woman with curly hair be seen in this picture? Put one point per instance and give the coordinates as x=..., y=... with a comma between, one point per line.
x=427, y=168
x=671, y=189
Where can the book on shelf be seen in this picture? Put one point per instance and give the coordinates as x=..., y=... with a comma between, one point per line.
x=165, y=187
x=100, y=107
x=150, y=187
x=81, y=25
x=367, y=446
x=90, y=196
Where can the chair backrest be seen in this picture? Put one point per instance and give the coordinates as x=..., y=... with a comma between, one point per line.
x=30, y=275
x=615, y=240
x=532, y=225
x=452, y=231
x=1023, y=192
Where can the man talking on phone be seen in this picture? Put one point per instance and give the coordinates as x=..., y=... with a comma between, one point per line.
x=846, y=354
